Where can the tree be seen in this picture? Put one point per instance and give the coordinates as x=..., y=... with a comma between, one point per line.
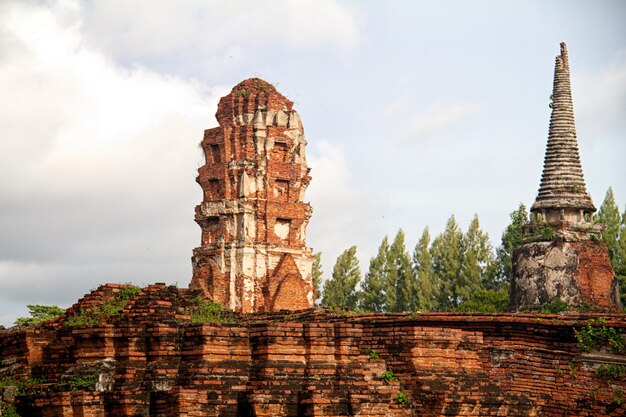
x=427, y=284
x=447, y=256
x=486, y=301
x=620, y=264
x=478, y=266
x=340, y=290
x=316, y=274
x=610, y=217
x=511, y=238
x=402, y=288
x=373, y=295
x=39, y=314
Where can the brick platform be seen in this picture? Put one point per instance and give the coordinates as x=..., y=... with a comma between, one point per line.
x=152, y=361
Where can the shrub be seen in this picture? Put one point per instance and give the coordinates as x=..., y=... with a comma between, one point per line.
x=373, y=354
x=401, y=398
x=388, y=377
x=555, y=306
x=205, y=311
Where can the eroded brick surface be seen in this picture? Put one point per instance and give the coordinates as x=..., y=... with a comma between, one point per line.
x=153, y=361
x=253, y=215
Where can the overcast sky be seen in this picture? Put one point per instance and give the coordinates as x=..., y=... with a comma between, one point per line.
x=413, y=111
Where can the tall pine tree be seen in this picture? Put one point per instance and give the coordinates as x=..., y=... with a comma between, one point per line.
x=610, y=217
x=427, y=284
x=373, y=295
x=479, y=266
x=447, y=257
x=511, y=238
x=316, y=275
x=402, y=288
x=340, y=290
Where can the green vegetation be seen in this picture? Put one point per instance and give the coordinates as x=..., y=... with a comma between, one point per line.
x=105, y=311
x=204, y=311
x=572, y=370
x=596, y=334
x=83, y=383
x=455, y=270
x=316, y=274
x=612, y=371
x=545, y=232
x=7, y=382
x=29, y=386
x=618, y=397
x=7, y=410
x=388, y=377
x=401, y=398
x=340, y=290
x=39, y=314
x=486, y=301
x=373, y=354
x=555, y=306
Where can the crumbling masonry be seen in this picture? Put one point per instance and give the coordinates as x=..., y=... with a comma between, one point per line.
x=563, y=256
x=253, y=217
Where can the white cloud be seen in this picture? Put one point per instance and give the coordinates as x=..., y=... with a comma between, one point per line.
x=144, y=28
x=97, y=165
x=600, y=97
x=436, y=117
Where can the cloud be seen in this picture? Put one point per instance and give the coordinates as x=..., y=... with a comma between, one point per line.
x=98, y=163
x=600, y=97
x=153, y=28
x=418, y=122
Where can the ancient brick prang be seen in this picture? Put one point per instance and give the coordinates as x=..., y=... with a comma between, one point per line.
x=562, y=256
x=253, y=255
x=155, y=359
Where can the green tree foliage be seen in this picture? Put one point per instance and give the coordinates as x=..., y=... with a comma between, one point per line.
x=620, y=264
x=373, y=295
x=610, y=217
x=447, y=256
x=511, y=238
x=402, y=288
x=428, y=285
x=485, y=301
x=479, y=264
x=340, y=290
x=39, y=314
x=316, y=274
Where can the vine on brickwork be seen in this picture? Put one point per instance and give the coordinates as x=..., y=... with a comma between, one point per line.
x=612, y=371
x=597, y=334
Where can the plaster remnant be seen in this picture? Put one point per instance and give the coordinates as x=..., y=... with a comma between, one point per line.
x=263, y=264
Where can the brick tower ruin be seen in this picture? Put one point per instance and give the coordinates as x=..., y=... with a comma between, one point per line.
x=562, y=255
x=253, y=256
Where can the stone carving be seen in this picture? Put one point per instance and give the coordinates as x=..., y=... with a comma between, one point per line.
x=253, y=217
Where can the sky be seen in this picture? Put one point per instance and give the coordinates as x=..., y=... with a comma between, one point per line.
x=413, y=111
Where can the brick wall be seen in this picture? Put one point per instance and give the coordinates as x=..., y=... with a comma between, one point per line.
x=153, y=361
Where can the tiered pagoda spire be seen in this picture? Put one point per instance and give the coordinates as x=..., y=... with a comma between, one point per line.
x=562, y=192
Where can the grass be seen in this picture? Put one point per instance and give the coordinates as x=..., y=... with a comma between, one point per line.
x=204, y=311
x=105, y=311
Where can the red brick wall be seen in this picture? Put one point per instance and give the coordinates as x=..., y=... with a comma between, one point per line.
x=314, y=363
